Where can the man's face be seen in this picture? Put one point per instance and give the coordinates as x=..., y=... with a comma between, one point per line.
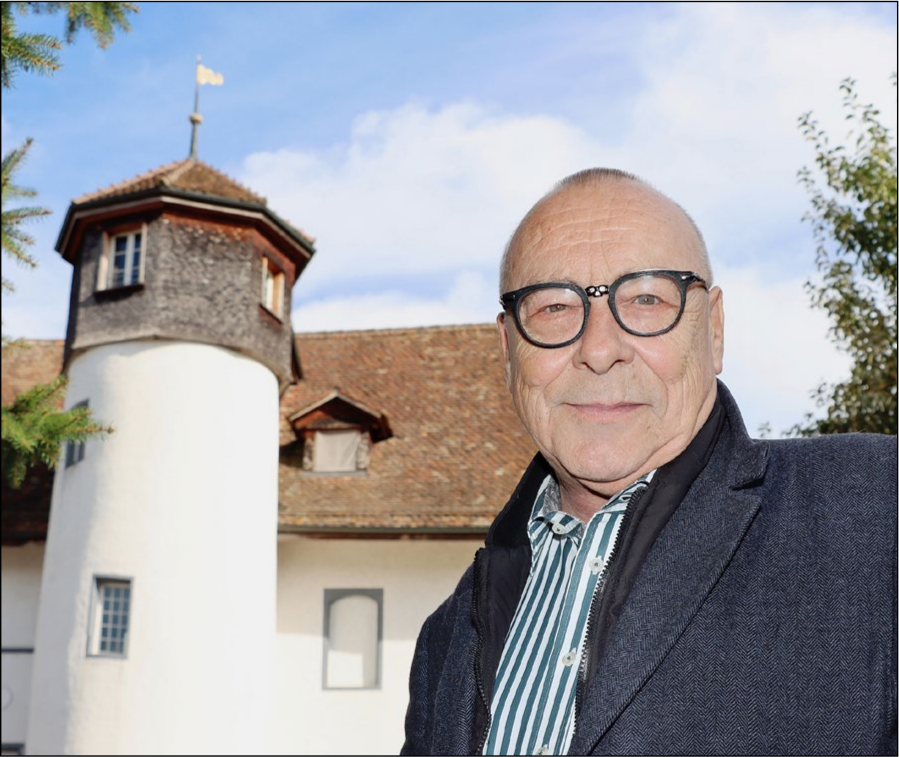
x=612, y=406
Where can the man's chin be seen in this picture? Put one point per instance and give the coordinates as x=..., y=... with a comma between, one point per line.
x=597, y=470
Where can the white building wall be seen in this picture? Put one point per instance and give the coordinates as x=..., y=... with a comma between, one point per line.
x=415, y=575
x=20, y=583
x=182, y=499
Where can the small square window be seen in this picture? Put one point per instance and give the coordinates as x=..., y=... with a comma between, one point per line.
x=272, y=288
x=75, y=450
x=123, y=260
x=336, y=451
x=353, y=627
x=110, y=617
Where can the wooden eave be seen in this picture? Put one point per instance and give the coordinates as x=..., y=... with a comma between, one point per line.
x=284, y=237
x=376, y=423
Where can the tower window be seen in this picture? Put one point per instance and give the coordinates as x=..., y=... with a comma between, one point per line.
x=272, y=288
x=75, y=450
x=109, y=618
x=353, y=621
x=122, y=264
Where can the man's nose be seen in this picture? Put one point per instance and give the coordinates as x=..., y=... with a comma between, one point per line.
x=603, y=342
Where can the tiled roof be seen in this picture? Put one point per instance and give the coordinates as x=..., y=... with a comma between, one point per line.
x=190, y=175
x=457, y=449
x=456, y=452
x=32, y=363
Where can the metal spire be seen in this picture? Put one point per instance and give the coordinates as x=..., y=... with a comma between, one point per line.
x=204, y=76
x=195, y=118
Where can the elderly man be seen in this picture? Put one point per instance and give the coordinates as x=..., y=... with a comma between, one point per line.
x=659, y=583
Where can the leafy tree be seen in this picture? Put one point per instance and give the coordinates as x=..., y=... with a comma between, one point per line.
x=853, y=218
x=33, y=427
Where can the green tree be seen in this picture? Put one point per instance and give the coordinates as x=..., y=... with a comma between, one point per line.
x=34, y=429
x=853, y=218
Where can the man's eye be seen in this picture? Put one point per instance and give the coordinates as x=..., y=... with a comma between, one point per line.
x=646, y=300
x=556, y=308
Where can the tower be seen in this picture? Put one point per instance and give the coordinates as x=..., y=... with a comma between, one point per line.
x=156, y=621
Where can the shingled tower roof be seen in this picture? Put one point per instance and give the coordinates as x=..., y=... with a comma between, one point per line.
x=190, y=175
x=186, y=182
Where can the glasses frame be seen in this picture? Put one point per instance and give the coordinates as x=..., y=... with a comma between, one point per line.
x=511, y=301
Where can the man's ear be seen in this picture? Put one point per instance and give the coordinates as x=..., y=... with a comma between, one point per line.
x=716, y=324
x=504, y=343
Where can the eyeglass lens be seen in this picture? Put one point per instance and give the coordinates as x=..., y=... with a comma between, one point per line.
x=645, y=305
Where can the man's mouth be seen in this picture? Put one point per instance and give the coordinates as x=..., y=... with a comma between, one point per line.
x=604, y=410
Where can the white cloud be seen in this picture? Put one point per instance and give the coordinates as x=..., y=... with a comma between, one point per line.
x=415, y=190
x=471, y=298
x=715, y=124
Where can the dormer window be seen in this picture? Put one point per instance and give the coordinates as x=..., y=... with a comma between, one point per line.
x=336, y=435
x=122, y=264
x=272, y=288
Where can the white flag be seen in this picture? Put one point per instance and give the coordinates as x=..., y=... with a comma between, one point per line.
x=208, y=76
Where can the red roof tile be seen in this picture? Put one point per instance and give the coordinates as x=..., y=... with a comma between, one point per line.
x=190, y=175
x=457, y=450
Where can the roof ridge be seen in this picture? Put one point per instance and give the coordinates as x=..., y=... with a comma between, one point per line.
x=172, y=176
x=394, y=330
x=262, y=200
x=36, y=342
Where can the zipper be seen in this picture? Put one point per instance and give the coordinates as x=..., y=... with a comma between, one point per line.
x=479, y=628
x=599, y=594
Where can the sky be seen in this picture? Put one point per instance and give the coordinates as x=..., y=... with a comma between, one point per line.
x=410, y=138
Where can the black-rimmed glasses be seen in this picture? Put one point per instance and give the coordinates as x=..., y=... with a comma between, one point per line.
x=644, y=303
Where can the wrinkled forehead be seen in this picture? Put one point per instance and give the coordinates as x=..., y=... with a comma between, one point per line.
x=606, y=231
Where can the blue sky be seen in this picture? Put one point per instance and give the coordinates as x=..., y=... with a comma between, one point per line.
x=408, y=138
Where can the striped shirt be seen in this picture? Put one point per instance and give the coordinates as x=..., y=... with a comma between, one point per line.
x=533, y=697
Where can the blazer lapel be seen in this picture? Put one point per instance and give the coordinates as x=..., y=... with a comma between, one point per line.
x=680, y=571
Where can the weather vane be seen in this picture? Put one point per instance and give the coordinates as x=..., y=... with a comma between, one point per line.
x=204, y=76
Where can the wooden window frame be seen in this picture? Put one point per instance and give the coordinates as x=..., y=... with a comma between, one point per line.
x=272, y=299
x=106, y=265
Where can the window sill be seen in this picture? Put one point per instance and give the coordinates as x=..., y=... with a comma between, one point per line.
x=116, y=293
x=270, y=316
x=331, y=474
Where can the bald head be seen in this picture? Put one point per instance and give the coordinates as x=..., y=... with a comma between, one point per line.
x=602, y=179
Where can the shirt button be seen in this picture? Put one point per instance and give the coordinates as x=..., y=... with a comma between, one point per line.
x=558, y=528
x=543, y=750
x=568, y=658
x=596, y=565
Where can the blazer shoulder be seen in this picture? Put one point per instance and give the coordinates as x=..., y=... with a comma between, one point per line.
x=837, y=476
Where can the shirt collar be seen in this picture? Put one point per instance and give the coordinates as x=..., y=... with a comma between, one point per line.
x=547, y=510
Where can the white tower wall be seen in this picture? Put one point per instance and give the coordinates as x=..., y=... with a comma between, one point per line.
x=181, y=499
